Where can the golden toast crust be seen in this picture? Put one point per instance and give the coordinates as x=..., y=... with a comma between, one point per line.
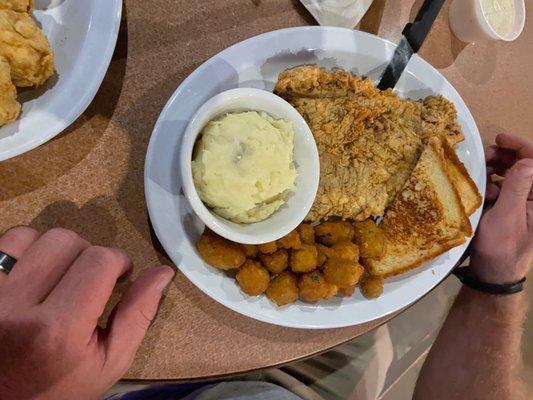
x=451, y=157
x=416, y=224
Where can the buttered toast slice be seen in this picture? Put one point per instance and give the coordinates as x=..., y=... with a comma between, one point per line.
x=467, y=189
x=425, y=220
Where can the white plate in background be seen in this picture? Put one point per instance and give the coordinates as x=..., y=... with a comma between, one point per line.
x=83, y=35
x=256, y=62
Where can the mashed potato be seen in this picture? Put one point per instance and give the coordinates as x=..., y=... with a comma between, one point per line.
x=243, y=165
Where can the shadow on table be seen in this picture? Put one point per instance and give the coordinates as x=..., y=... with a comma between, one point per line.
x=371, y=21
x=148, y=102
x=35, y=169
x=92, y=221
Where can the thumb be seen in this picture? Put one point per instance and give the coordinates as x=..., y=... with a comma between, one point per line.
x=515, y=188
x=133, y=316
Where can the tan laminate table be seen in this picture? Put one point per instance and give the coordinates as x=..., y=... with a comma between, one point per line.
x=90, y=178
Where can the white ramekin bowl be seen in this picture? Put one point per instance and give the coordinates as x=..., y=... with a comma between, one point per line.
x=306, y=160
x=469, y=23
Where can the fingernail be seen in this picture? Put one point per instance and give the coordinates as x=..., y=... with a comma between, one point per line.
x=165, y=279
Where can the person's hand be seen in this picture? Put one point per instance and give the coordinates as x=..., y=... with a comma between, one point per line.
x=50, y=344
x=503, y=245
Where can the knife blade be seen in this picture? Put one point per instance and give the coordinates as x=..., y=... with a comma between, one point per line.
x=414, y=35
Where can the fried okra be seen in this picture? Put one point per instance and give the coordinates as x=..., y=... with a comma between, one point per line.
x=267, y=248
x=312, y=287
x=307, y=233
x=275, y=262
x=250, y=250
x=321, y=254
x=347, y=291
x=290, y=241
x=344, y=250
x=304, y=259
x=253, y=278
x=371, y=240
x=283, y=289
x=342, y=273
x=332, y=232
x=219, y=252
x=371, y=286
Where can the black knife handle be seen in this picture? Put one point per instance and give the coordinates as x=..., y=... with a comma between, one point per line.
x=415, y=32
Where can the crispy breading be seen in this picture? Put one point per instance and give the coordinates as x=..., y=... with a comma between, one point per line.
x=371, y=239
x=342, y=273
x=17, y=5
x=439, y=117
x=9, y=106
x=267, y=248
x=307, y=233
x=26, y=49
x=312, y=287
x=283, y=289
x=371, y=286
x=253, y=278
x=332, y=232
x=275, y=262
x=368, y=140
x=290, y=241
x=305, y=259
x=250, y=250
x=219, y=252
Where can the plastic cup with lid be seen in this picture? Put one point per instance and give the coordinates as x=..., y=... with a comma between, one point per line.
x=477, y=20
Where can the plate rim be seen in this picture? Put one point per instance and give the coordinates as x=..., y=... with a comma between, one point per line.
x=84, y=101
x=151, y=212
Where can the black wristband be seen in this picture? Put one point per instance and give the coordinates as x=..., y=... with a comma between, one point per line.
x=467, y=278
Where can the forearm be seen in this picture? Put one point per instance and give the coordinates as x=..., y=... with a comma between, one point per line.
x=477, y=352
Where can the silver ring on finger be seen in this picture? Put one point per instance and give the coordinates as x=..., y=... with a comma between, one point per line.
x=6, y=262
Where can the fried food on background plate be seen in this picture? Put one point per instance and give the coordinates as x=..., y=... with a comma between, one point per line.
x=368, y=140
x=17, y=5
x=9, y=106
x=26, y=49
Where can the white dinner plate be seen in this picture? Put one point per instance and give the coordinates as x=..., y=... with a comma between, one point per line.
x=256, y=62
x=83, y=35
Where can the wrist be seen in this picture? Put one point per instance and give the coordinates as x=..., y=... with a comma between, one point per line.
x=491, y=278
x=468, y=278
x=496, y=272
